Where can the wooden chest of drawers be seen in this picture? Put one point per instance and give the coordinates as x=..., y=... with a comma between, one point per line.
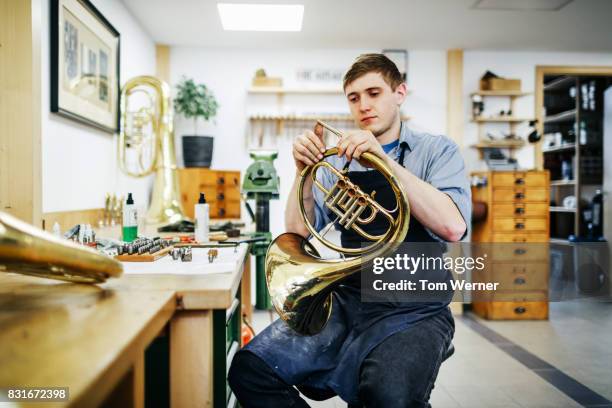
x=221, y=187
x=517, y=226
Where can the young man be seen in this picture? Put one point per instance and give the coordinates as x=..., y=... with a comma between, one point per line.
x=370, y=354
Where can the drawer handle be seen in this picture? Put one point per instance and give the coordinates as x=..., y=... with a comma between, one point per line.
x=519, y=310
x=221, y=212
x=519, y=225
x=221, y=180
x=519, y=210
x=519, y=281
x=220, y=196
x=520, y=251
x=520, y=181
x=519, y=196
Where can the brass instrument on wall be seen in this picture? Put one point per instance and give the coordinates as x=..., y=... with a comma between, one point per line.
x=146, y=144
x=28, y=250
x=300, y=282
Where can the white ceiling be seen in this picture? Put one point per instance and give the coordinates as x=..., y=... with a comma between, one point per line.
x=581, y=25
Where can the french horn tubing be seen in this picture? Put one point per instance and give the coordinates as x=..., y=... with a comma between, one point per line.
x=299, y=281
x=28, y=250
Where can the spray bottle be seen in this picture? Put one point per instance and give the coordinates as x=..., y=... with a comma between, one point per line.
x=130, y=220
x=202, y=218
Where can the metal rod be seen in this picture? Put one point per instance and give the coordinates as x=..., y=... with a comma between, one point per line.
x=331, y=129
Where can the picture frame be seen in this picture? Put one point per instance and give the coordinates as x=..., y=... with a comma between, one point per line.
x=84, y=65
x=400, y=58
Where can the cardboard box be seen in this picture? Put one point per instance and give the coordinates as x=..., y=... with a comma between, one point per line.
x=499, y=84
x=268, y=81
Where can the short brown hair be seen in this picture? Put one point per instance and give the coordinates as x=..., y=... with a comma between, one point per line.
x=367, y=63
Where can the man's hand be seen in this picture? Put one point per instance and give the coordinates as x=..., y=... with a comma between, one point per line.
x=356, y=142
x=308, y=148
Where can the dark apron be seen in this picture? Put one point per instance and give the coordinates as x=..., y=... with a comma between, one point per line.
x=331, y=360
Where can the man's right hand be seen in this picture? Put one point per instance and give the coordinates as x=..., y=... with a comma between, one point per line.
x=308, y=148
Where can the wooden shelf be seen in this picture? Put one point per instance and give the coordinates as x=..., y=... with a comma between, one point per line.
x=304, y=91
x=500, y=119
x=566, y=116
x=562, y=182
x=562, y=209
x=560, y=83
x=281, y=90
x=323, y=116
x=511, y=144
x=561, y=241
x=565, y=147
x=501, y=93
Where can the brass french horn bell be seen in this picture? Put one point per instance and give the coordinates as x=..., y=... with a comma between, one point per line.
x=28, y=250
x=299, y=281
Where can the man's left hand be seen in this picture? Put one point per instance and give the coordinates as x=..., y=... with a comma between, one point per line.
x=356, y=142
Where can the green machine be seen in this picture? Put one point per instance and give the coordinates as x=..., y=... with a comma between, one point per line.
x=261, y=183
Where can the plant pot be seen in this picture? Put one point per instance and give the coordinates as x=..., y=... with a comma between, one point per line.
x=197, y=151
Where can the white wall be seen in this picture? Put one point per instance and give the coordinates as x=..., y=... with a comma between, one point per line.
x=229, y=72
x=521, y=65
x=79, y=163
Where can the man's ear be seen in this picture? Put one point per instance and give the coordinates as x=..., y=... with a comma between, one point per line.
x=400, y=93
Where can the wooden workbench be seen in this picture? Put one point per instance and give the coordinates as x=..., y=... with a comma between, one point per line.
x=89, y=338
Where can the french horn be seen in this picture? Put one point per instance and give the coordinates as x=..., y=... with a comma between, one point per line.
x=28, y=250
x=300, y=281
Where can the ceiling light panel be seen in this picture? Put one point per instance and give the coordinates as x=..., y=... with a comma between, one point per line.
x=542, y=5
x=261, y=17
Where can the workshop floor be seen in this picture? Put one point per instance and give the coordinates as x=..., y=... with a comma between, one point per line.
x=563, y=362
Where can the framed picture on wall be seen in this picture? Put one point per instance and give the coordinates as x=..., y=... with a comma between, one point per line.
x=84, y=64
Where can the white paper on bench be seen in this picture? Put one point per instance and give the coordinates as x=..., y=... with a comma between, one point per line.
x=227, y=261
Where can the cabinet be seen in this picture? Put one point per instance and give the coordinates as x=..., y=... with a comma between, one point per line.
x=221, y=188
x=514, y=237
x=572, y=148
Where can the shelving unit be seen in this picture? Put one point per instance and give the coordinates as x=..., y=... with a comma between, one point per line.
x=511, y=145
x=581, y=145
x=280, y=120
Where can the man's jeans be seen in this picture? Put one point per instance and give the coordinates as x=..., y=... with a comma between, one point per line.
x=399, y=372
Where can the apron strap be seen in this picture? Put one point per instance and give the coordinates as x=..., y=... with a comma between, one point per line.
x=403, y=147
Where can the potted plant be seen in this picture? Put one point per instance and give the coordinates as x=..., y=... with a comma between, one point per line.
x=195, y=101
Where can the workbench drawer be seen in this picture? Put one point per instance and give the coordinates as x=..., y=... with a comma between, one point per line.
x=520, y=195
x=519, y=224
x=511, y=179
x=534, y=310
x=516, y=252
x=515, y=277
x=520, y=209
x=520, y=237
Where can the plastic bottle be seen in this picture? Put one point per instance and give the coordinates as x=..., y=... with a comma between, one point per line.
x=583, y=133
x=597, y=205
x=130, y=220
x=202, y=219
